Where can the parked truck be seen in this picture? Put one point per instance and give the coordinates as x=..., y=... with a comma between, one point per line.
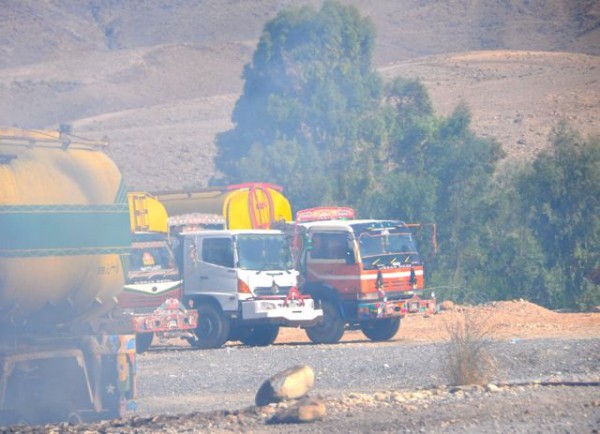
x=365, y=274
x=153, y=287
x=66, y=353
x=244, y=285
x=237, y=272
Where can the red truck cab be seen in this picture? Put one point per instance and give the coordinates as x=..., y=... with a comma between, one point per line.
x=366, y=274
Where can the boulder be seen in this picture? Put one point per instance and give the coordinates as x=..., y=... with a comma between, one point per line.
x=293, y=383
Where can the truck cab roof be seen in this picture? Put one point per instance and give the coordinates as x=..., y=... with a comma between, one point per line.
x=232, y=232
x=350, y=225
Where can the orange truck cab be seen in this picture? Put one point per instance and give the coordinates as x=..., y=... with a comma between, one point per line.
x=366, y=274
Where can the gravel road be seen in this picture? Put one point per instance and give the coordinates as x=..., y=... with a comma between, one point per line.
x=541, y=385
x=181, y=380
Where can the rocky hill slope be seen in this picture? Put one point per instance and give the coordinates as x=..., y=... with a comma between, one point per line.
x=160, y=78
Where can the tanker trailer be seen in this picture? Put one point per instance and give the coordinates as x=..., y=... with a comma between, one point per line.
x=65, y=354
x=253, y=205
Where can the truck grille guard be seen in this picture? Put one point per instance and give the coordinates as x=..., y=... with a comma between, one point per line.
x=293, y=297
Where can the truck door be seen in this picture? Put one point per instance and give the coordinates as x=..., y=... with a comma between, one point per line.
x=332, y=260
x=209, y=269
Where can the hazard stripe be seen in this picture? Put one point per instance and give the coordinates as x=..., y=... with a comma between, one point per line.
x=364, y=277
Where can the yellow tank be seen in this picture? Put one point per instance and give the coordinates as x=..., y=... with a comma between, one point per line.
x=243, y=206
x=64, y=226
x=146, y=213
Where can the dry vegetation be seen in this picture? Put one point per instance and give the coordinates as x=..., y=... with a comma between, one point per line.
x=468, y=358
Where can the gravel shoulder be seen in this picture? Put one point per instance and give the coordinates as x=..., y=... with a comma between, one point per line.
x=180, y=380
x=546, y=379
x=542, y=385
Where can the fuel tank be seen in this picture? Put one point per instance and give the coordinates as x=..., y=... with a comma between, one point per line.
x=64, y=230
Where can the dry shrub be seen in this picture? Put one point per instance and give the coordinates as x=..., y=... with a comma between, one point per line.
x=468, y=356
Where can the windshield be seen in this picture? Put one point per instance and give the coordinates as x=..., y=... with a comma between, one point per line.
x=387, y=245
x=151, y=257
x=263, y=252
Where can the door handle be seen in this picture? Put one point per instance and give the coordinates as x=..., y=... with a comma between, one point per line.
x=203, y=277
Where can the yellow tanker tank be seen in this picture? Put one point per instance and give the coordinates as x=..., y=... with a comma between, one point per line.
x=243, y=206
x=64, y=226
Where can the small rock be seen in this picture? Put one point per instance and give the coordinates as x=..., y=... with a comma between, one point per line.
x=304, y=411
x=398, y=397
x=447, y=305
x=267, y=410
x=380, y=396
x=293, y=383
x=492, y=388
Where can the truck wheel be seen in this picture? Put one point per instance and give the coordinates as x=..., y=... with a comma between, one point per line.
x=259, y=336
x=381, y=330
x=212, y=330
x=331, y=328
x=143, y=341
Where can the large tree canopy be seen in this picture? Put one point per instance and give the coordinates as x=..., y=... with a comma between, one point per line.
x=561, y=199
x=308, y=106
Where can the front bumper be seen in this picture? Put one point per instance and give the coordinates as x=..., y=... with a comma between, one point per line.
x=293, y=313
x=170, y=319
x=369, y=310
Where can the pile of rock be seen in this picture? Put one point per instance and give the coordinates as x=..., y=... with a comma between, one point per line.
x=291, y=386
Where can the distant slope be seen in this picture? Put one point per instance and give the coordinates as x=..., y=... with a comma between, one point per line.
x=160, y=77
x=32, y=30
x=516, y=97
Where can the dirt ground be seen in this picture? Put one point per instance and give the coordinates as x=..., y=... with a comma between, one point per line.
x=560, y=405
x=501, y=320
x=556, y=407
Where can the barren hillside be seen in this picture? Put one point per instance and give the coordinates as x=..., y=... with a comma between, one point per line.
x=160, y=78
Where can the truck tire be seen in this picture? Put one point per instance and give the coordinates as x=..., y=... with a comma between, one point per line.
x=381, y=330
x=331, y=329
x=143, y=341
x=259, y=336
x=212, y=330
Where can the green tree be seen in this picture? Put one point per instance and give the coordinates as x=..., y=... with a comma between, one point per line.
x=512, y=263
x=561, y=199
x=310, y=92
x=464, y=166
x=437, y=170
x=404, y=188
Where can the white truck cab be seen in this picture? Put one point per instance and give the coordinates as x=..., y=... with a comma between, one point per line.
x=244, y=286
